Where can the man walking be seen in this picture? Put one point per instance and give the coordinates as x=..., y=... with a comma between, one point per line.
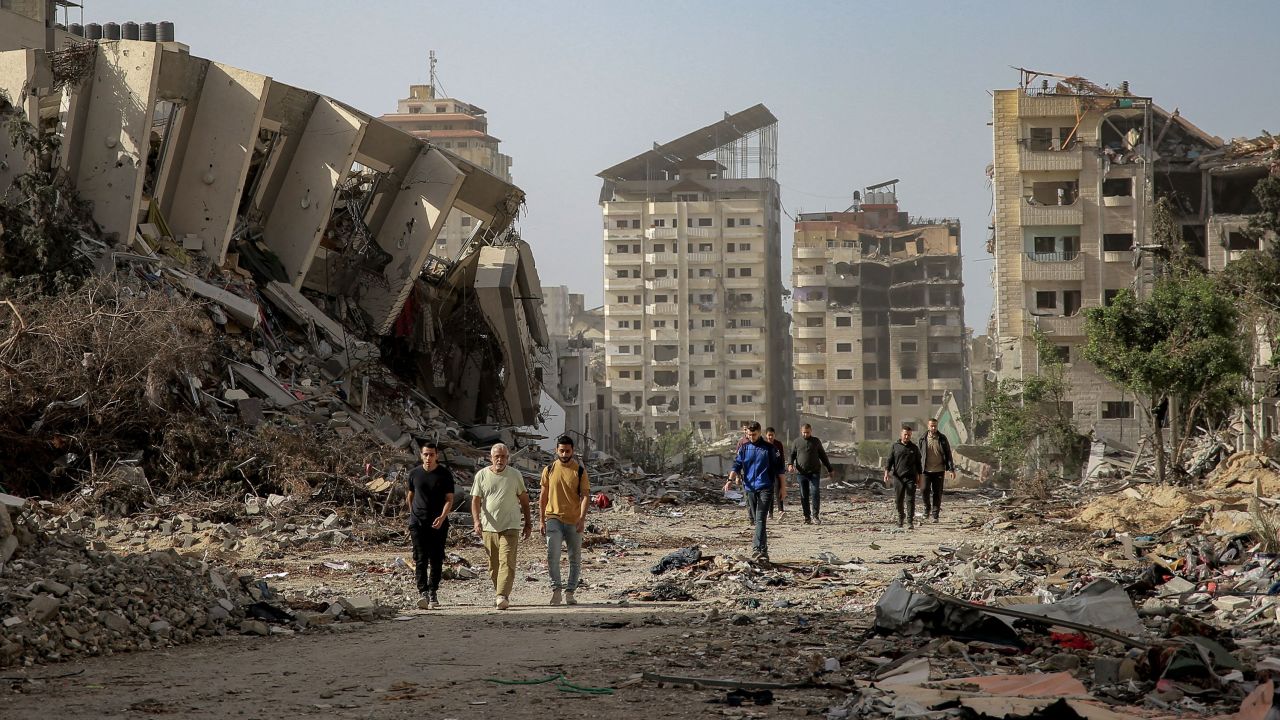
x=937, y=463
x=498, y=499
x=780, y=487
x=905, y=465
x=562, y=507
x=430, y=500
x=808, y=458
x=757, y=465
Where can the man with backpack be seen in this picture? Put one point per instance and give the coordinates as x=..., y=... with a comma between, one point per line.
x=562, y=507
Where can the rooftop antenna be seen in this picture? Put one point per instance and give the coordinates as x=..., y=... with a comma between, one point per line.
x=434, y=79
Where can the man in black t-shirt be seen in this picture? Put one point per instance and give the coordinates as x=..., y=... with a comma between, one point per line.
x=430, y=501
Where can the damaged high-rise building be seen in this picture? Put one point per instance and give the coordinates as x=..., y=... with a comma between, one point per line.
x=695, y=332
x=193, y=158
x=878, y=306
x=1077, y=171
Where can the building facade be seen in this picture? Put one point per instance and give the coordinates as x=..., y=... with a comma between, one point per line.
x=1077, y=171
x=878, y=307
x=695, y=334
x=459, y=128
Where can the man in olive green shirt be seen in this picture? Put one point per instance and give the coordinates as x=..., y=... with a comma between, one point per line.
x=498, y=499
x=562, y=505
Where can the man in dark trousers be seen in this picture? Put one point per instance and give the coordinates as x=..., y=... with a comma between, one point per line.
x=780, y=487
x=807, y=460
x=937, y=463
x=757, y=465
x=905, y=465
x=430, y=501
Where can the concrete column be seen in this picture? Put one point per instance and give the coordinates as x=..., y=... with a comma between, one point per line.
x=116, y=132
x=17, y=71
x=417, y=213
x=219, y=147
x=321, y=163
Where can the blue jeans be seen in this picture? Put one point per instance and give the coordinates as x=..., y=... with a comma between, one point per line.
x=809, y=488
x=558, y=533
x=758, y=502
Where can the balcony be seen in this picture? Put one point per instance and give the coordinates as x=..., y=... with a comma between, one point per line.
x=620, y=360
x=615, y=259
x=844, y=383
x=744, y=282
x=1052, y=266
x=623, y=334
x=946, y=330
x=621, y=310
x=662, y=411
x=749, y=257
x=664, y=334
x=747, y=358
x=661, y=258
x=1058, y=326
x=1033, y=160
x=703, y=258
x=811, y=358
x=808, y=306
x=624, y=234
x=662, y=283
x=747, y=231
x=701, y=283
x=809, y=383
x=743, y=333
x=1048, y=106
x=626, y=385
x=810, y=252
x=1117, y=201
x=810, y=333
x=810, y=280
x=1072, y=214
x=623, y=283
x=660, y=233
x=667, y=308
x=1117, y=256
x=694, y=233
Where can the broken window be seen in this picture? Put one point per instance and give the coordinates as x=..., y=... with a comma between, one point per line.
x=1070, y=302
x=1040, y=139
x=869, y=344
x=1233, y=193
x=1117, y=187
x=665, y=352
x=910, y=372
x=1193, y=236
x=1046, y=300
x=868, y=370
x=846, y=400
x=1109, y=296
x=813, y=322
x=1241, y=241
x=816, y=400
x=1061, y=192
x=1056, y=353
x=1117, y=242
x=1117, y=410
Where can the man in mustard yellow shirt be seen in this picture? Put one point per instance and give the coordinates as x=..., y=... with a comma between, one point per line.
x=562, y=505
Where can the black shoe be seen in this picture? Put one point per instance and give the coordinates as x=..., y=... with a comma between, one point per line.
x=807, y=521
x=817, y=519
x=900, y=521
x=911, y=526
x=935, y=517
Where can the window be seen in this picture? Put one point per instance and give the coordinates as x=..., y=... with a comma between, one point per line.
x=704, y=247
x=910, y=400
x=744, y=247
x=709, y=347
x=1240, y=241
x=635, y=224
x=908, y=346
x=728, y=223
x=886, y=397
x=844, y=347
x=910, y=373
x=816, y=400
x=744, y=222
x=659, y=222
x=746, y=374
x=1040, y=139
x=660, y=273
x=686, y=197
x=704, y=272
x=844, y=373
x=704, y=424
x=1070, y=302
x=1118, y=187
x=937, y=320
x=733, y=272
x=624, y=324
x=659, y=247
x=1117, y=410
x=746, y=399
x=869, y=345
x=844, y=321
x=744, y=272
x=1057, y=353
x=622, y=249
x=705, y=222
x=745, y=348
x=1117, y=242
x=731, y=247
x=620, y=223
x=1109, y=296
x=660, y=298
x=624, y=374
x=635, y=299
x=868, y=370
x=708, y=399
x=623, y=299
x=659, y=323
x=708, y=373
x=733, y=374
x=442, y=108
x=846, y=400
x=706, y=298
x=708, y=323
x=1046, y=245
x=623, y=273
x=635, y=249
x=936, y=399
x=1046, y=299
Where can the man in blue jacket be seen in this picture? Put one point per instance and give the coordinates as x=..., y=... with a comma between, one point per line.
x=757, y=465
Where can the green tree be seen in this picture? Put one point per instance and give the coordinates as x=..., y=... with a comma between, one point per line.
x=1029, y=424
x=670, y=450
x=1180, y=351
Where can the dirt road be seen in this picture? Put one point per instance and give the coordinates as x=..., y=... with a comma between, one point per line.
x=441, y=664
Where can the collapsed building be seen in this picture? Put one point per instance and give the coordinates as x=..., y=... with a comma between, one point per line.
x=879, y=336
x=1078, y=169
x=231, y=170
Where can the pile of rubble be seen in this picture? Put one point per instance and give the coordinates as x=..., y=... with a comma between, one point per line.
x=63, y=598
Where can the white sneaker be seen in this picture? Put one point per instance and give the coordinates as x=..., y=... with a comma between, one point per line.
x=569, y=599
x=502, y=603
x=555, y=597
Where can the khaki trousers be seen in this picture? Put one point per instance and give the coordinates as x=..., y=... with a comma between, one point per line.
x=501, y=547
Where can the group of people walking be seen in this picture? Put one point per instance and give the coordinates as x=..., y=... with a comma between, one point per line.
x=501, y=515
x=760, y=466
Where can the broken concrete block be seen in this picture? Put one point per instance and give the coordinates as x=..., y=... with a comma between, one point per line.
x=246, y=312
x=254, y=627
x=12, y=620
x=8, y=547
x=358, y=604
x=159, y=627
x=192, y=242
x=235, y=395
x=1231, y=602
x=52, y=586
x=114, y=621
x=1176, y=586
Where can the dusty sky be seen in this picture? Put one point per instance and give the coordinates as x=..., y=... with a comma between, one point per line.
x=864, y=91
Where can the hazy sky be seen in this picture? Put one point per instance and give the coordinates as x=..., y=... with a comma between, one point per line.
x=864, y=91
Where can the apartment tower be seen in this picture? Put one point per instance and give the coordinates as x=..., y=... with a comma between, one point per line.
x=694, y=329
x=878, y=309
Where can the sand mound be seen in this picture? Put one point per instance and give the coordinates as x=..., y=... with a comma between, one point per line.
x=1139, y=509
